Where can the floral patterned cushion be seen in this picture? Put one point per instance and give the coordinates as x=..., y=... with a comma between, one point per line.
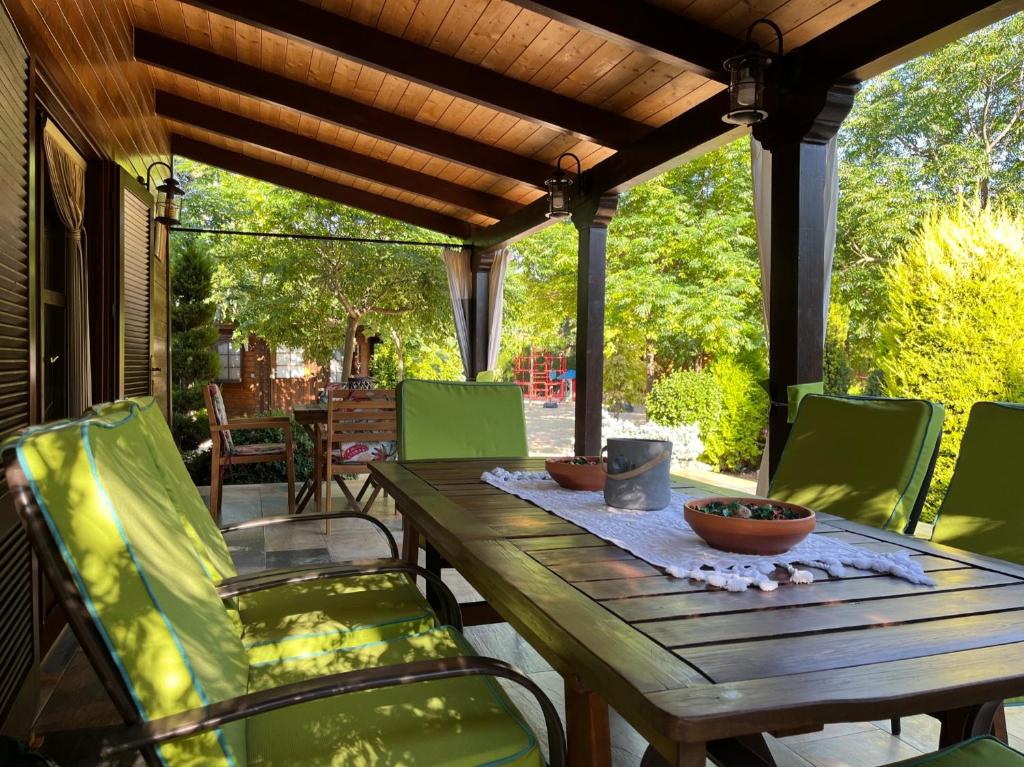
x=220, y=416
x=365, y=452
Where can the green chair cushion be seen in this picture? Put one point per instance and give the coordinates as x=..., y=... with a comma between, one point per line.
x=439, y=420
x=982, y=511
x=984, y=751
x=462, y=722
x=305, y=618
x=862, y=458
x=120, y=536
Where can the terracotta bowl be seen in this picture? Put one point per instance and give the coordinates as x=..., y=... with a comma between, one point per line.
x=577, y=476
x=748, y=536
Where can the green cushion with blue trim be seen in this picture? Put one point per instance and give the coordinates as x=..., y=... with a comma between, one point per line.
x=982, y=510
x=463, y=722
x=302, y=618
x=862, y=458
x=985, y=751
x=292, y=619
x=439, y=420
x=120, y=536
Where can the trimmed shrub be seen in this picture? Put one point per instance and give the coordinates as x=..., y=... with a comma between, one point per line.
x=952, y=333
x=737, y=443
x=686, y=396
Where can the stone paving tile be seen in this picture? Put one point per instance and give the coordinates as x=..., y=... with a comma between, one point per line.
x=298, y=557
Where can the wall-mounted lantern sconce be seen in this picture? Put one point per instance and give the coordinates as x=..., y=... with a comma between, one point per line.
x=747, y=78
x=560, y=189
x=168, y=196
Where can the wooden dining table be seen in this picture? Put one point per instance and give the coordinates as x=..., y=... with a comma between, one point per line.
x=311, y=418
x=701, y=671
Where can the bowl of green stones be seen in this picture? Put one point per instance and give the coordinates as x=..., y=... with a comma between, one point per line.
x=749, y=525
x=581, y=472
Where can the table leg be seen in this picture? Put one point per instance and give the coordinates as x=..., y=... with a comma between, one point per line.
x=410, y=542
x=586, y=724
x=687, y=755
x=962, y=723
x=309, y=487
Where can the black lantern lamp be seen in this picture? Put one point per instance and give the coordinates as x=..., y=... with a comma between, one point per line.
x=747, y=77
x=168, y=196
x=560, y=189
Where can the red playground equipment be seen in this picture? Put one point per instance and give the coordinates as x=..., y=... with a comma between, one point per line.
x=545, y=376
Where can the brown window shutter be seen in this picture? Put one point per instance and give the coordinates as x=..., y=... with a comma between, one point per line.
x=135, y=239
x=17, y=645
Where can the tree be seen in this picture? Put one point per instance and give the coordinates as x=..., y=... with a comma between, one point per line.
x=315, y=294
x=193, y=335
x=952, y=330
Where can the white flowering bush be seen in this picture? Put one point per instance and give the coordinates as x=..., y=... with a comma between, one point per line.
x=685, y=438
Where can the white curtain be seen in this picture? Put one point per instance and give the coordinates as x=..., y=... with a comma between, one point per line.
x=460, y=287
x=761, y=174
x=496, y=306
x=65, y=169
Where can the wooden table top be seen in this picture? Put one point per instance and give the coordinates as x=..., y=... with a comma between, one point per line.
x=683, y=662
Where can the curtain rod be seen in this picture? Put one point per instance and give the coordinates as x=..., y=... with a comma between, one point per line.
x=297, y=236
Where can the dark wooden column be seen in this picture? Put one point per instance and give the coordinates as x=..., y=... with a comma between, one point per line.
x=591, y=218
x=796, y=299
x=479, y=327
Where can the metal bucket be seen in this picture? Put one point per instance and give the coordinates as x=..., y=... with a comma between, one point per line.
x=638, y=474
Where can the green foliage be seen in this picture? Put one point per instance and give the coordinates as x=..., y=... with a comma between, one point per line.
x=953, y=327
x=838, y=374
x=193, y=335
x=737, y=443
x=686, y=396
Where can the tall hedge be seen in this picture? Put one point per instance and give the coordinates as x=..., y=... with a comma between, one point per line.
x=193, y=335
x=954, y=327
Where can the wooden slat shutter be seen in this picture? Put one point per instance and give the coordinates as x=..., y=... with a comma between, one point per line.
x=135, y=276
x=17, y=644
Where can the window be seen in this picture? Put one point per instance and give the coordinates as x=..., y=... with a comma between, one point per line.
x=337, y=366
x=289, y=363
x=230, y=360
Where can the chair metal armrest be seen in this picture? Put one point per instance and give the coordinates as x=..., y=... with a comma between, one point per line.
x=246, y=584
x=282, y=520
x=188, y=723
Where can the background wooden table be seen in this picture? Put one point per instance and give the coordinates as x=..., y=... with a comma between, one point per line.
x=696, y=669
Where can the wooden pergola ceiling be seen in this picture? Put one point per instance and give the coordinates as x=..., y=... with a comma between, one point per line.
x=449, y=114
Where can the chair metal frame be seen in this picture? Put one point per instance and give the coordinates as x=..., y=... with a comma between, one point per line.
x=145, y=736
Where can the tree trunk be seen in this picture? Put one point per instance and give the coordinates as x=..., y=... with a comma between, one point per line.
x=651, y=369
x=399, y=354
x=983, y=192
x=350, y=343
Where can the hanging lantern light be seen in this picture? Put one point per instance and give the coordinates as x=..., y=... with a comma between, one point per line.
x=560, y=189
x=747, y=78
x=169, y=192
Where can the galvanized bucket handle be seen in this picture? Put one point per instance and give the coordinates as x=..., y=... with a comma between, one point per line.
x=641, y=469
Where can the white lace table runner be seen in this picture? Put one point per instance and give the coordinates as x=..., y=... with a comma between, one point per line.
x=663, y=539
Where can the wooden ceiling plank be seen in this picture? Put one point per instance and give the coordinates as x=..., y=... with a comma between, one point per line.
x=225, y=73
x=230, y=124
x=647, y=29
x=434, y=68
x=301, y=182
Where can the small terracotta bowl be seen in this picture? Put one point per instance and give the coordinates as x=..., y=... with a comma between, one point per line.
x=748, y=536
x=577, y=476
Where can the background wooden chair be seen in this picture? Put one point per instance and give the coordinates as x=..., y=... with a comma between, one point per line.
x=362, y=428
x=226, y=453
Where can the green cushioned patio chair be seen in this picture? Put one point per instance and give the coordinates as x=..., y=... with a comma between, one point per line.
x=981, y=511
x=287, y=619
x=439, y=419
x=161, y=635
x=984, y=751
x=867, y=459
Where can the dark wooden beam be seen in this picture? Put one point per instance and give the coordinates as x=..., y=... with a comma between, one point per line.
x=226, y=123
x=592, y=225
x=693, y=133
x=649, y=29
x=796, y=300
x=891, y=32
x=370, y=46
x=252, y=81
x=303, y=182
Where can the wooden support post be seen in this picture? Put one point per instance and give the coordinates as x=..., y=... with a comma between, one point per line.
x=796, y=301
x=588, y=736
x=479, y=324
x=591, y=218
